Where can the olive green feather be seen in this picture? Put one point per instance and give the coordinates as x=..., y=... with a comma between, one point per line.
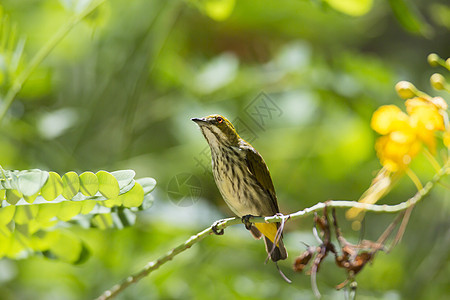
x=259, y=169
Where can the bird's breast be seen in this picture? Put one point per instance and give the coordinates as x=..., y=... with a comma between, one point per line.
x=237, y=185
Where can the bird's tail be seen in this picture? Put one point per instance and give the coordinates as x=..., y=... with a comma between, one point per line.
x=269, y=230
x=277, y=253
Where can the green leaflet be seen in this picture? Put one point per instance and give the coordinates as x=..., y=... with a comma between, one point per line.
x=13, y=196
x=148, y=184
x=25, y=213
x=30, y=199
x=53, y=187
x=30, y=182
x=134, y=197
x=6, y=214
x=124, y=178
x=62, y=245
x=68, y=210
x=88, y=184
x=102, y=221
x=47, y=212
x=87, y=206
x=108, y=185
x=71, y=185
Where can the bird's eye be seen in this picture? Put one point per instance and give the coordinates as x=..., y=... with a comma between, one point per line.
x=219, y=119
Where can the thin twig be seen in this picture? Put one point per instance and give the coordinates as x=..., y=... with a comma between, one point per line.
x=314, y=270
x=402, y=229
x=387, y=232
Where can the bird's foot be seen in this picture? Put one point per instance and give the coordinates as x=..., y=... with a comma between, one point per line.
x=247, y=223
x=215, y=229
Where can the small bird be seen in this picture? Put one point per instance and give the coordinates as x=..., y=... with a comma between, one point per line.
x=243, y=179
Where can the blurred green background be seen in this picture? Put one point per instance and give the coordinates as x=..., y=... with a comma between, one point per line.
x=299, y=78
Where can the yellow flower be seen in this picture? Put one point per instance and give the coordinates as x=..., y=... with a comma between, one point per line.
x=399, y=144
x=388, y=118
x=403, y=134
x=426, y=119
x=397, y=149
x=425, y=114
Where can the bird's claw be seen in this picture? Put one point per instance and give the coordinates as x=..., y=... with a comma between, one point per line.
x=215, y=230
x=247, y=223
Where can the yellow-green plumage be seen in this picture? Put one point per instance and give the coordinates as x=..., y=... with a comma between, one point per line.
x=243, y=178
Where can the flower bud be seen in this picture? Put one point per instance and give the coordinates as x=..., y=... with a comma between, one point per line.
x=405, y=89
x=433, y=59
x=437, y=81
x=439, y=102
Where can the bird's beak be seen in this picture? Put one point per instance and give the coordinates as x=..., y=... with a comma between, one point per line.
x=200, y=121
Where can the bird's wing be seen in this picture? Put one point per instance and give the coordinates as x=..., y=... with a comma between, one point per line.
x=258, y=168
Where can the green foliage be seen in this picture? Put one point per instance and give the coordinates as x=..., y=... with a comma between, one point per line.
x=409, y=17
x=37, y=206
x=116, y=89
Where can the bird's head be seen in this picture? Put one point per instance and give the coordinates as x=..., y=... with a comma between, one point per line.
x=218, y=131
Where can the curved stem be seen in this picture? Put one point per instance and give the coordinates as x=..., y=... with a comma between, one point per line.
x=432, y=160
x=414, y=178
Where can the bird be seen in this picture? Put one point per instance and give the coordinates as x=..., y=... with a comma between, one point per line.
x=243, y=180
